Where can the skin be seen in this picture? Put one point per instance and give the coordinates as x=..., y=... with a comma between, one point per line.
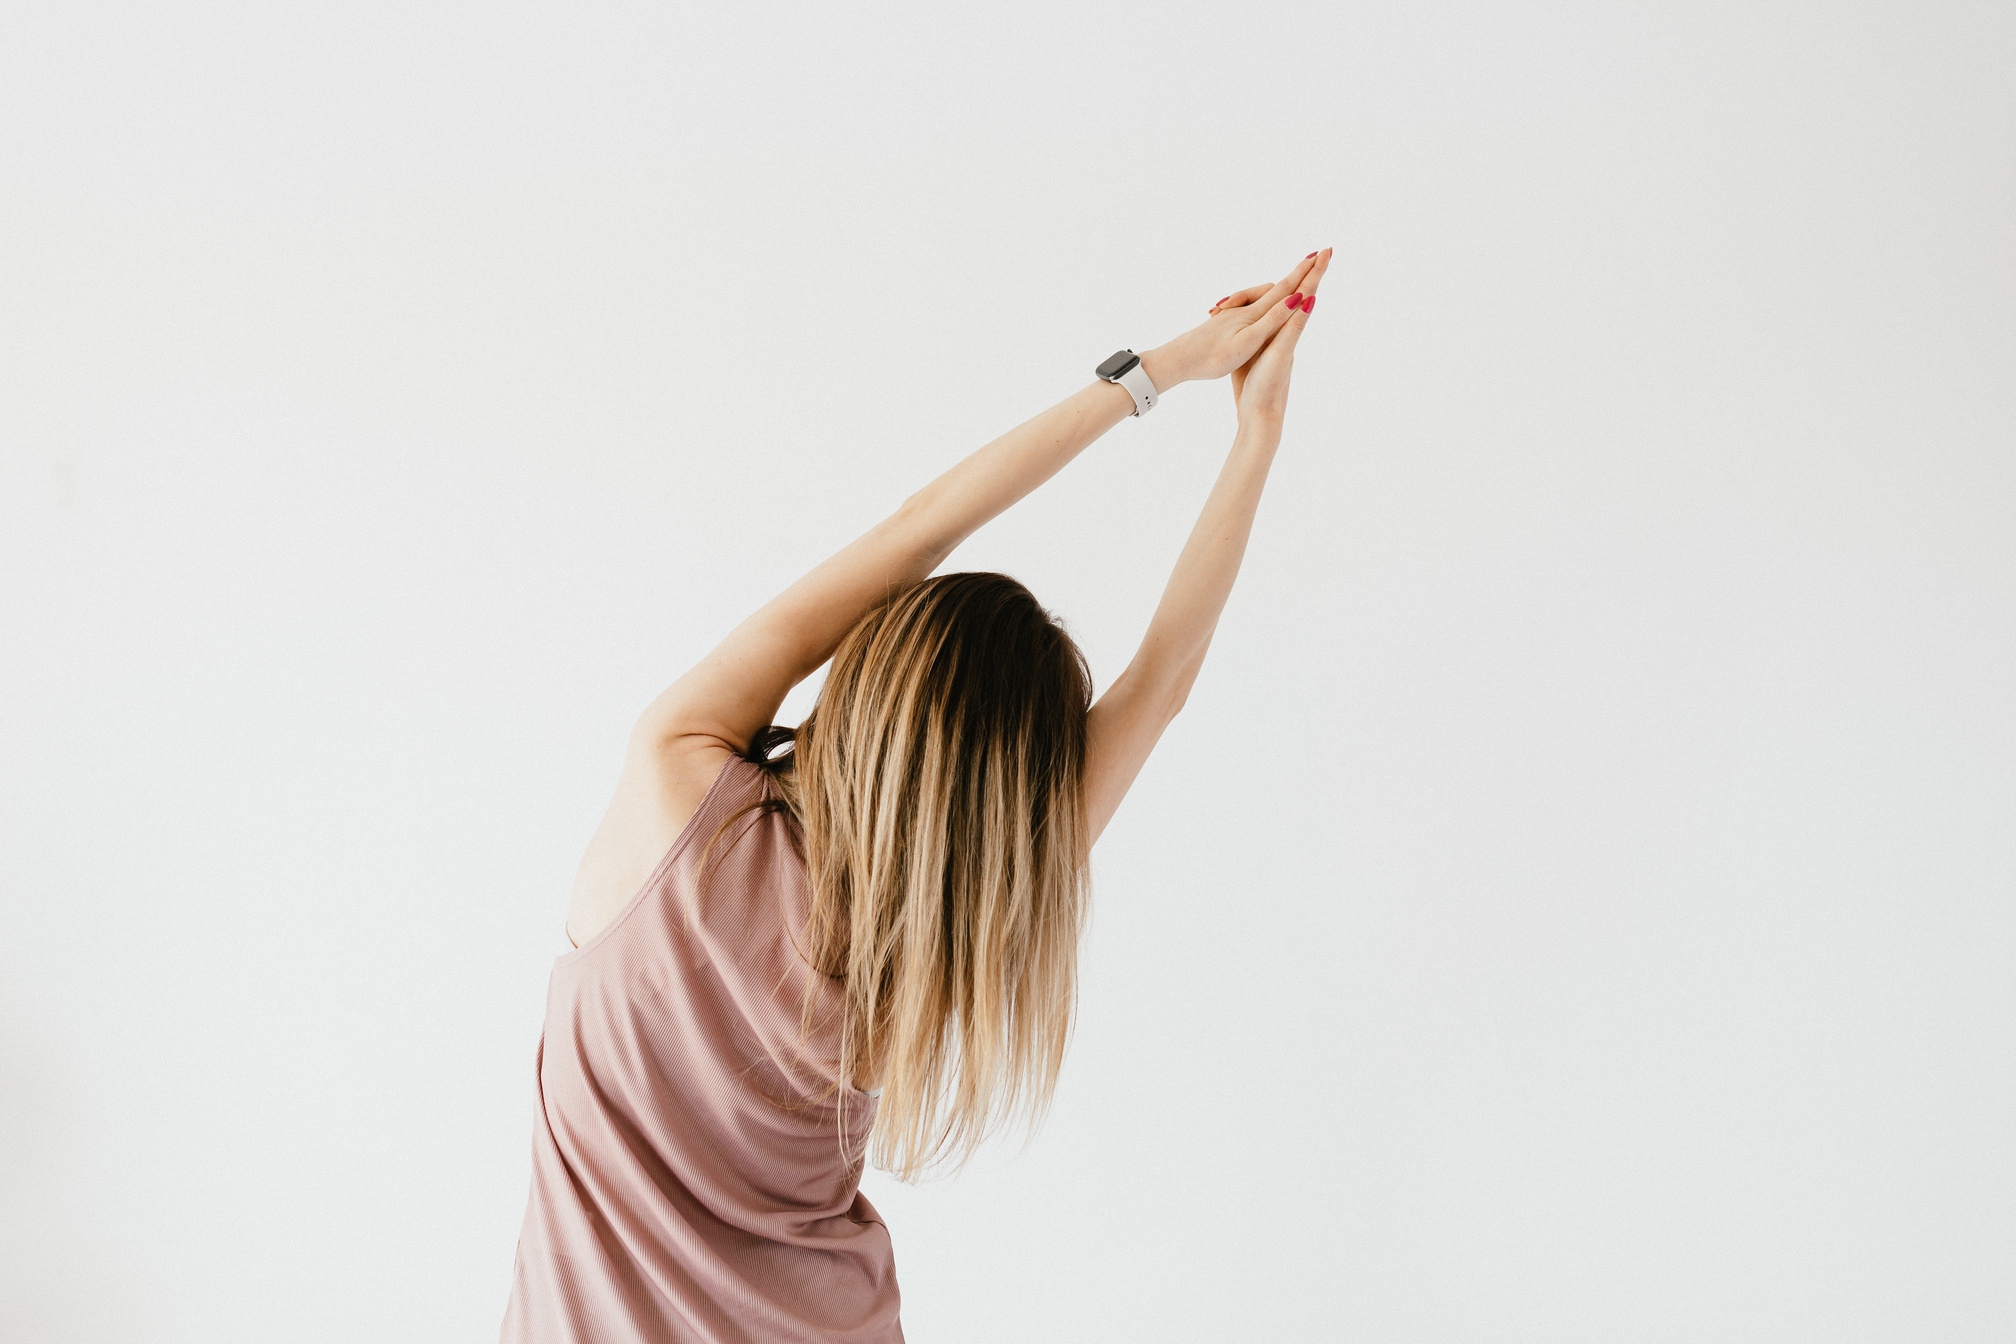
x=684, y=737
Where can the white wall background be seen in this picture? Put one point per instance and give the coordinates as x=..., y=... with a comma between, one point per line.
x=1577, y=903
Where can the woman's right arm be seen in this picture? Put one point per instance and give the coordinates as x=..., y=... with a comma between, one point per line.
x=1129, y=718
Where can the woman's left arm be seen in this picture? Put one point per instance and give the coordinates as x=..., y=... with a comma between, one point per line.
x=735, y=691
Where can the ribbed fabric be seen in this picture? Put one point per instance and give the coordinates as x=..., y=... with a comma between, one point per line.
x=673, y=1196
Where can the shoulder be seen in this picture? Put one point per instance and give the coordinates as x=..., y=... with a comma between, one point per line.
x=687, y=777
x=660, y=798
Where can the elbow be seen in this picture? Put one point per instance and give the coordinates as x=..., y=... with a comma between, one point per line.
x=919, y=531
x=1162, y=690
x=1176, y=693
x=918, y=506
x=1186, y=677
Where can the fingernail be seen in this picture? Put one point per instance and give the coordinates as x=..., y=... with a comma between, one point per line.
x=1294, y=301
x=1310, y=255
x=1309, y=304
x=1221, y=300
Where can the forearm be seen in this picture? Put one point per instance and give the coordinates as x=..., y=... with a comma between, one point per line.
x=1172, y=652
x=991, y=479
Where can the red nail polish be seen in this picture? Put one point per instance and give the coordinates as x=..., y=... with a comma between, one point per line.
x=1309, y=304
x=1294, y=301
x=1310, y=255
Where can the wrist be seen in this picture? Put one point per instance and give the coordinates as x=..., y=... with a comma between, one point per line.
x=1164, y=368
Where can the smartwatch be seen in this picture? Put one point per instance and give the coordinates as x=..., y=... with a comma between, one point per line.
x=1124, y=367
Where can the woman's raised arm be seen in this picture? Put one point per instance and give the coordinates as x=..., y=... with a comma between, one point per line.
x=1130, y=716
x=735, y=691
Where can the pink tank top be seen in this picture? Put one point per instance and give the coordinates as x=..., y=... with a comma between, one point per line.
x=673, y=1196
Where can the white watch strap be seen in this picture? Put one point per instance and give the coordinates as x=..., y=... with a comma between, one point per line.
x=1137, y=382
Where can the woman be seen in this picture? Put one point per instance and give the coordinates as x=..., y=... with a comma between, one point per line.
x=874, y=935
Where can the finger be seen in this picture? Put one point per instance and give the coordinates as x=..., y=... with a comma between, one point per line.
x=1241, y=298
x=1260, y=295
x=1276, y=324
x=1287, y=285
x=1289, y=313
x=1285, y=319
x=1304, y=299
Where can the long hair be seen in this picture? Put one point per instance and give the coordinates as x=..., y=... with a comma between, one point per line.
x=939, y=786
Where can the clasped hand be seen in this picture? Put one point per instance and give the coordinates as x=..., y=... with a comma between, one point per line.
x=1251, y=335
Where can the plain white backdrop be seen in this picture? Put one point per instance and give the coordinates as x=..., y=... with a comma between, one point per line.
x=1578, y=904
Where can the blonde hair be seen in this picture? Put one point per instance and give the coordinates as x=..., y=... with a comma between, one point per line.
x=939, y=786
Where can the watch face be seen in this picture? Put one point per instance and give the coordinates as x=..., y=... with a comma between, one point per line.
x=1118, y=364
